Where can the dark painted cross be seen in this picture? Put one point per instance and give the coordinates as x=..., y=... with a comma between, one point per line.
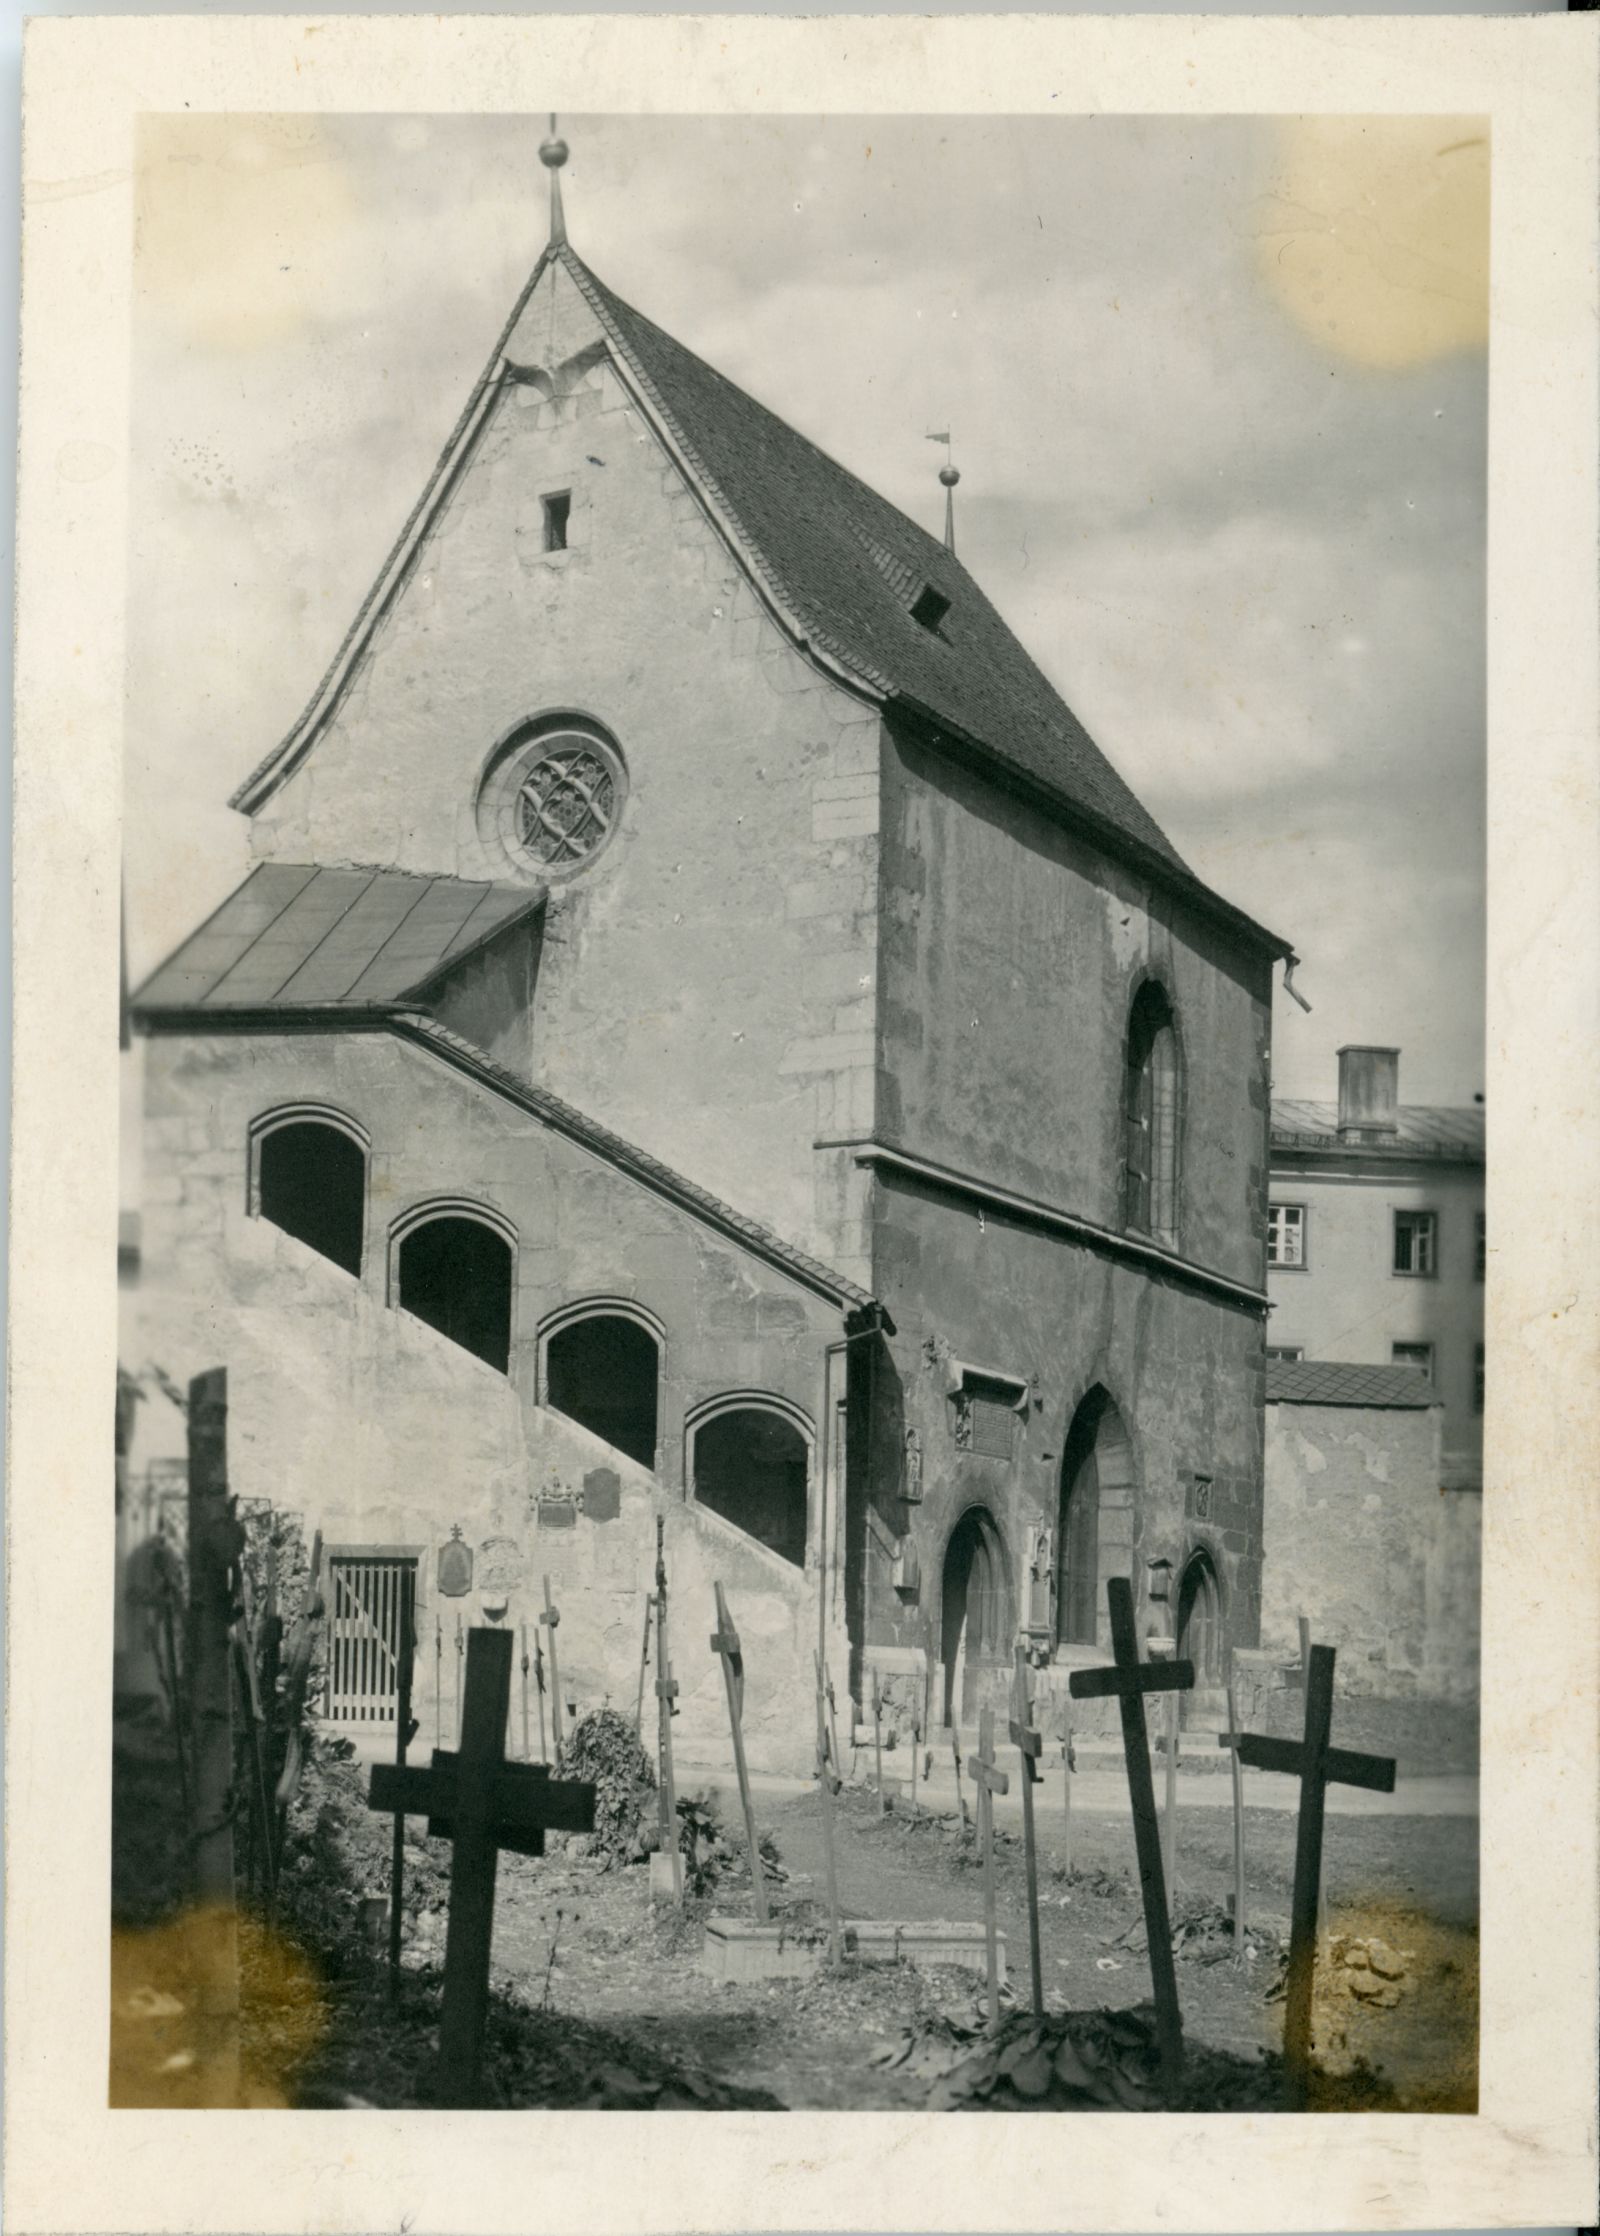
x=1318, y=1766
x=1129, y=1681
x=482, y=1803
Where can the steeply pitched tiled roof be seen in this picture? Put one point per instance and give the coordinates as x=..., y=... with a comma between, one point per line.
x=1436, y=1132
x=296, y=937
x=845, y=567
x=1331, y=1382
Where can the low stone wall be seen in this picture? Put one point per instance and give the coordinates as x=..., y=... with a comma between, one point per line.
x=1360, y=1537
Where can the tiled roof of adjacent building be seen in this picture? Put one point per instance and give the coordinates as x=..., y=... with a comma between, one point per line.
x=1420, y=1128
x=1332, y=1382
x=296, y=937
x=846, y=568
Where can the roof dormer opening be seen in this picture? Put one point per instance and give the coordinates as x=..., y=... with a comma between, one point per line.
x=929, y=606
x=557, y=513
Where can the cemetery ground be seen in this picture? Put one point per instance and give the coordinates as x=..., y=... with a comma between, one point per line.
x=599, y=1996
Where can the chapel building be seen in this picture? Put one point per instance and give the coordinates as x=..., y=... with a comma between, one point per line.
x=709, y=1038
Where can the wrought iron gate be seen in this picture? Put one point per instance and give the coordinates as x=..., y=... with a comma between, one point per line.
x=370, y=1595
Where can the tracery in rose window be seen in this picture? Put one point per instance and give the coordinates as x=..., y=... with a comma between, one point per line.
x=566, y=803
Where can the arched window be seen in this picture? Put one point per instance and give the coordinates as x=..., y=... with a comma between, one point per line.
x=455, y=1270
x=1095, y=1537
x=309, y=1177
x=1153, y=1117
x=602, y=1369
x=974, y=1609
x=751, y=1463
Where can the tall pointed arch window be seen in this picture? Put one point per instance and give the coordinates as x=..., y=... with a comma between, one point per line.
x=1152, y=1117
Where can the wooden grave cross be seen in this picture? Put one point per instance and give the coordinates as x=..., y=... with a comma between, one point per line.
x=725, y=1643
x=482, y=1803
x=550, y=1618
x=1128, y=1680
x=989, y=1781
x=1029, y=1744
x=667, y=1708
x=1318, y=1766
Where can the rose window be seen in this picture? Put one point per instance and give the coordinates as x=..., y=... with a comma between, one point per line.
x=566, y=805
x=553, y=798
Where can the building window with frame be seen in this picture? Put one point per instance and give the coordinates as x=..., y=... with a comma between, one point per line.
x=1416, y=1243
x=1480, y=1247
x=1152, y=1118
x=1418, y=1356
x=1289, y=1353
x=1477, y=1378
x=1286, y=1235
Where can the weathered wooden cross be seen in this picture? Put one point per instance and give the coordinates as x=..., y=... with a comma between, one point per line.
x=482, y=1803
x=1129, y=1680
x=989, y=1781
x=877, y=1737
x=1029, y=1745
x=1318, y=1766
x=725, y=1643
x=667, y=1707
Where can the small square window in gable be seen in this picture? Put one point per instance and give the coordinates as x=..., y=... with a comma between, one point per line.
x=929, y=606
x=557, y=513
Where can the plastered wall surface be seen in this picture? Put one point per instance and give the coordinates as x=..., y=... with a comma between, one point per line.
x=1011, y=953
x=1360, y=1537
x=707, y=984
x=1349, y=1303
x=1184, y=1369
x=382, y=1431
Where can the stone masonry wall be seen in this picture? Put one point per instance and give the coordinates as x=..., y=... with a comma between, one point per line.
x=707, y=984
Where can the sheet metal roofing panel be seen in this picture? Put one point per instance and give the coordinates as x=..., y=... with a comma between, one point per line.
x=283, y=946
x=1441, y=1128
x=209, y=954
x=328, y=973
x=1333, y=1382
x=293, y=935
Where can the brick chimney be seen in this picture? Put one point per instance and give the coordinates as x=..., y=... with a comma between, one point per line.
x=1369, y=1094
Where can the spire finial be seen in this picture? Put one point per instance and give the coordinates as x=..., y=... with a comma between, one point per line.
x=949, y=475
x=553, y=154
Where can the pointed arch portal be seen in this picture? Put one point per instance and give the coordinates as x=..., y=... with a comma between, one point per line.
x=974, y=1610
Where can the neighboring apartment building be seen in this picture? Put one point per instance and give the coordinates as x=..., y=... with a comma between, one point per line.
x=1376, y=1241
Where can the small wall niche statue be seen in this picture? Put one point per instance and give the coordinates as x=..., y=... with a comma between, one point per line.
x=911, y=1488
x=455, y=1566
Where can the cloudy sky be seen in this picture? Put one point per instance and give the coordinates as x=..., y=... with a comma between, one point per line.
x=1217, y=390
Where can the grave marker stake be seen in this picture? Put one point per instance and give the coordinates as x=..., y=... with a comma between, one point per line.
x=666, y=1709
x=405, y=1731
x=955, y=1749
x=550, y=1618
x=725, y=1644
x=438, y=1678
x=1318, y=1766
x=459, y=1647
x=1069, y=1763
x=1028, y=1745
x=916, y=1749
x=527, y=1742
x=1230, y=1740
x=538, y=1686
x=644, y=1662
x=481, y=1803
x=989, y=1781
x=1169, y=1814
x=877, y=1737
x=827, y=1787
x=1128, y=1680
x=216, y=1544
x=833, y=1729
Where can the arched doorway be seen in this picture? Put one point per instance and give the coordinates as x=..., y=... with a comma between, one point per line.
x=974, y=1610
x=1200, y=1642
x=1094, y=1540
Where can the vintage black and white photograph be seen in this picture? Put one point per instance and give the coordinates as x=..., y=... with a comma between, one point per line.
x=802, y=1246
